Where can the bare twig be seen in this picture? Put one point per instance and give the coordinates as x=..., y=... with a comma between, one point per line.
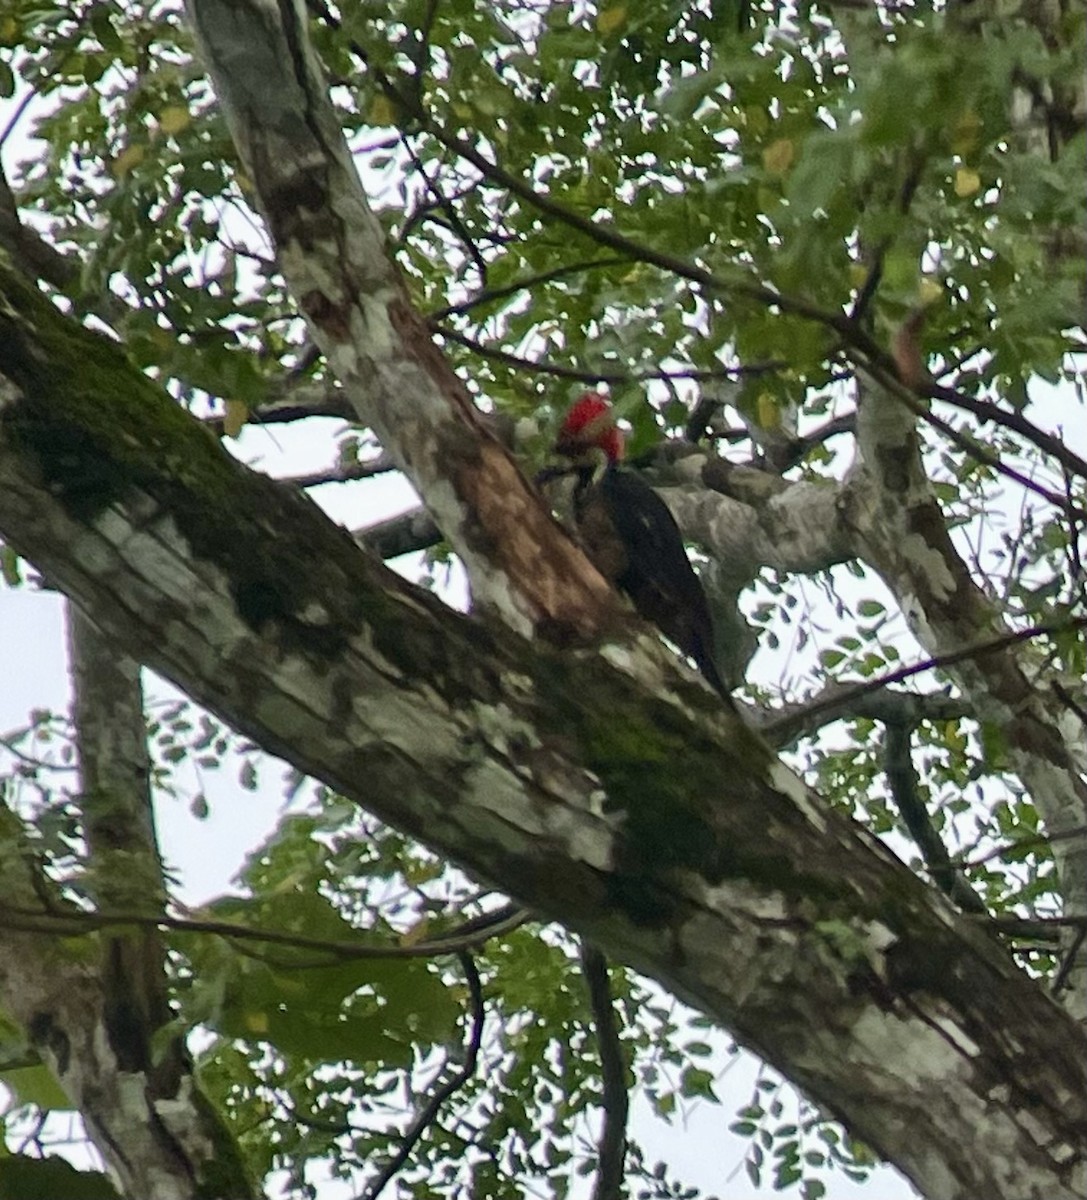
x=771, y=730
x=890, y=381
x=70, y=922
x=1016, y=422
x=443, y=204
x=538, y=367
x=1026, y=843
x=17, y=115
x=452, y=1085
x=489, y=295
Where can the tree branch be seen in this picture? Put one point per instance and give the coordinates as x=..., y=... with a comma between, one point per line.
x=430, y=1110
x=904, y=785
x=125, y=870
x=615, y=1102
x=535, y=366
x=552, y=773
x=71, y=922
x=332, y=251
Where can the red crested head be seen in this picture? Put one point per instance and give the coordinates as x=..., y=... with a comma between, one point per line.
x=590, y=424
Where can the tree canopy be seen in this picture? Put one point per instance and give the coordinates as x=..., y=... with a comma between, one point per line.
x=829, y=262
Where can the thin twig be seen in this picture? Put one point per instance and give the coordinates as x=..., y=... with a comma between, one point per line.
x=847, y=330
x=986, y=411
x=69, y=922
x=432, y=1107
x=1026, y=843
x=875, y=274
x=904, y=395
x=938, y=662
x=520, y=285
x=17, y=115
x=539, y=367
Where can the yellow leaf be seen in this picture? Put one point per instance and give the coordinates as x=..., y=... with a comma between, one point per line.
x=929, y=290
x=174, y=118
x=967, y=182
x=382, y=111
x=964, y=134
x=766, y=411
x=237, y=413
x=9, y=31
x=858, y=274
x=256, y=1022
x=612, y=19
x=778, y=157
x=130, y=157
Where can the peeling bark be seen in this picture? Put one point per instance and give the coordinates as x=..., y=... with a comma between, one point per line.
x=332, y=252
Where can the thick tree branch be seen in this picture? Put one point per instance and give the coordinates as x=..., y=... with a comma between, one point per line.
x=152, y=1126
x=332, y=251
x=124, y=870
x=903, y=534
x=551, y=773
x=412, y=531
x=379, y=464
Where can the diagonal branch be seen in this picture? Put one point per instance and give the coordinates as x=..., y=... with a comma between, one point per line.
x=429, y=1112
x=332, y=250
x=904, y=784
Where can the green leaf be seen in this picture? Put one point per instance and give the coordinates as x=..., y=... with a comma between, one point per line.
x=697, y=1082
x=36, y=1084
x=9, y=567
x=25, y=1178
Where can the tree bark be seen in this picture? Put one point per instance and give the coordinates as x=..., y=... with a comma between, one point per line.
x=608, y=790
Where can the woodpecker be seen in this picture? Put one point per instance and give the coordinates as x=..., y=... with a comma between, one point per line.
x=631, y=537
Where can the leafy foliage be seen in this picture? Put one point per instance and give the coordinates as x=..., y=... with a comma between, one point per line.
x=759, y=169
